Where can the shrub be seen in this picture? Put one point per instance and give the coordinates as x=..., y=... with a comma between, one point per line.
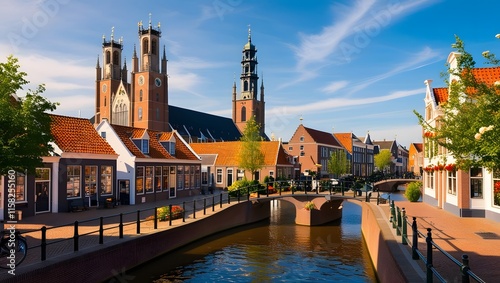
x=163, y=212
x=412, y=192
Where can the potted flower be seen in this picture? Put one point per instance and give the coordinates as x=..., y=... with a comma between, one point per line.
x=450, y=167
x=310, y=205
x=496, y=193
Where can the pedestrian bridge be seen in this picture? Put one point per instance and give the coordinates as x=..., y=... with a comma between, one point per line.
x=391, y=185
x=311, y=209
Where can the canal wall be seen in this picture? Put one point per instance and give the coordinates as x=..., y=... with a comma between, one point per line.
x=387, y=255
x=111, y=260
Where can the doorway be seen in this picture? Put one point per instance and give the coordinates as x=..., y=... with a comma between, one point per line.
x=124, y=191
x=42, y=197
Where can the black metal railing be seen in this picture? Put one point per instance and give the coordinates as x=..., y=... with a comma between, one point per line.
x=400, y=222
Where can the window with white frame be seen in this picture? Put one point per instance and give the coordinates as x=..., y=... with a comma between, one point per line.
x=476, y=182
x=139, y=179
x=20, y=187
x=496, y=187
x=148, y=182
x=430, y=180
x=106, y=180
x=73, y=177
x=219, y=176
x=158, y=175
x=452, y=182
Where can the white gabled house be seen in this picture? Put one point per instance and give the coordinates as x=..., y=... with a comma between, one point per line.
x=152, y=165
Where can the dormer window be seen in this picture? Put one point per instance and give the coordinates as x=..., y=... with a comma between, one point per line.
x=145, y=146
x=169, y=145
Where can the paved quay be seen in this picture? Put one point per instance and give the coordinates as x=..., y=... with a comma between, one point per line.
x=30, y=227
x=478, y=238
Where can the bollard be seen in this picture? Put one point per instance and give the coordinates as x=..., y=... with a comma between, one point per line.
x=120, y=227
x=75, y=237
x=464, y=268
x=414, y=244
x=138, y=222
x=404, y=224
x=101, y=230
x=204, y=206
x=213, y=203
x=194, y=209
x=43, y=246
x=183, y=212
x=428, y=240
x=220, y=201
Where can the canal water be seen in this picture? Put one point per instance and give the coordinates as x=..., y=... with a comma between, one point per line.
x=275, y=250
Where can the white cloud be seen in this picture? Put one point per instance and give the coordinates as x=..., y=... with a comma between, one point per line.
x=334, y=86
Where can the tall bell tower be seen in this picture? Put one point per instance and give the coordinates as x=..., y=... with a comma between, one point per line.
x=109, y=77
x=247, y=103
x=149, y=81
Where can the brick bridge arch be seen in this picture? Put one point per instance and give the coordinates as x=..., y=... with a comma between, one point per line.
x=391, y=185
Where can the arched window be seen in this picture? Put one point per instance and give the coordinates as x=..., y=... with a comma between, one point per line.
x=108, y=57
x=246, y=69
x=140, y=95
x=145, y=46
x=157, y=114
x=116, y=60
x=245, y=86
x=139, y=114
x=153, y=47
x=243, y=114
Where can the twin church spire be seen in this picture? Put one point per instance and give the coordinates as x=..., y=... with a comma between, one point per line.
x=143, y=101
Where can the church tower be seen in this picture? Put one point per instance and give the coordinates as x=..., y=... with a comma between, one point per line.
x=247, y=104
x=109, y=77
x=149, y=82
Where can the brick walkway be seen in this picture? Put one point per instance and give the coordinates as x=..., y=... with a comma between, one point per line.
x=478, y=238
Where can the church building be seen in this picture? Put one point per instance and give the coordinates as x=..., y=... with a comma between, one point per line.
x=143, y=102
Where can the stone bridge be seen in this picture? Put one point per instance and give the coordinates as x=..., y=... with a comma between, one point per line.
x=391, y=185
x=327, y=207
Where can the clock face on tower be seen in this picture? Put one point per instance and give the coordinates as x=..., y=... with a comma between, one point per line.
x=104, y=88
x=158, y=82
x=141, y=80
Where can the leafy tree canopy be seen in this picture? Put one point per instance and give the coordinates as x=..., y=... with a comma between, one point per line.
x=338, y=163
x=24, y=123
x=383, y=159
x=251, y=157
x=470, y=125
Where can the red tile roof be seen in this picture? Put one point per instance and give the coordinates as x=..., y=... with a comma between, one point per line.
x=487, y=75
x=346, y=140
x=322, y=137
x=77, y=135
x=440, y=94
x=227, y=152
x=156, y=150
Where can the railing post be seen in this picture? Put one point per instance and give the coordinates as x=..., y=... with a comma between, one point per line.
x=228, y=198
x=428, y=240
x=156, y=218
x=138, y=221
x=465, y=268
x=404, y=224
x=204, y=206
x=220, y=201
x=120, y=227
x=213, y=203
x=170, y=214
x=194, y=209
x=393, y=214
x=414, y=242
x=101, y=230
x=43, y=246
x=398, y=218
x=75, y=237
x=248, y=193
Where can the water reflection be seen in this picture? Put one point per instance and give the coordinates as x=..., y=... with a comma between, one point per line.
x=270, y=251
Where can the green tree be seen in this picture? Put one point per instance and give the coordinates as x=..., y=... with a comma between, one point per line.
x=251, y=157
x=470, y=125
x=338, y=163
x=24, y=123
x=383, y=159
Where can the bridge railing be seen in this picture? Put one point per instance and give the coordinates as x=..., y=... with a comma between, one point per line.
x=400, y=223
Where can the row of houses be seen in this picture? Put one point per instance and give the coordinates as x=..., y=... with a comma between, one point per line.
x=94, y=164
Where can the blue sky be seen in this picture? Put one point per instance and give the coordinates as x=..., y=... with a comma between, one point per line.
x=342, y=66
